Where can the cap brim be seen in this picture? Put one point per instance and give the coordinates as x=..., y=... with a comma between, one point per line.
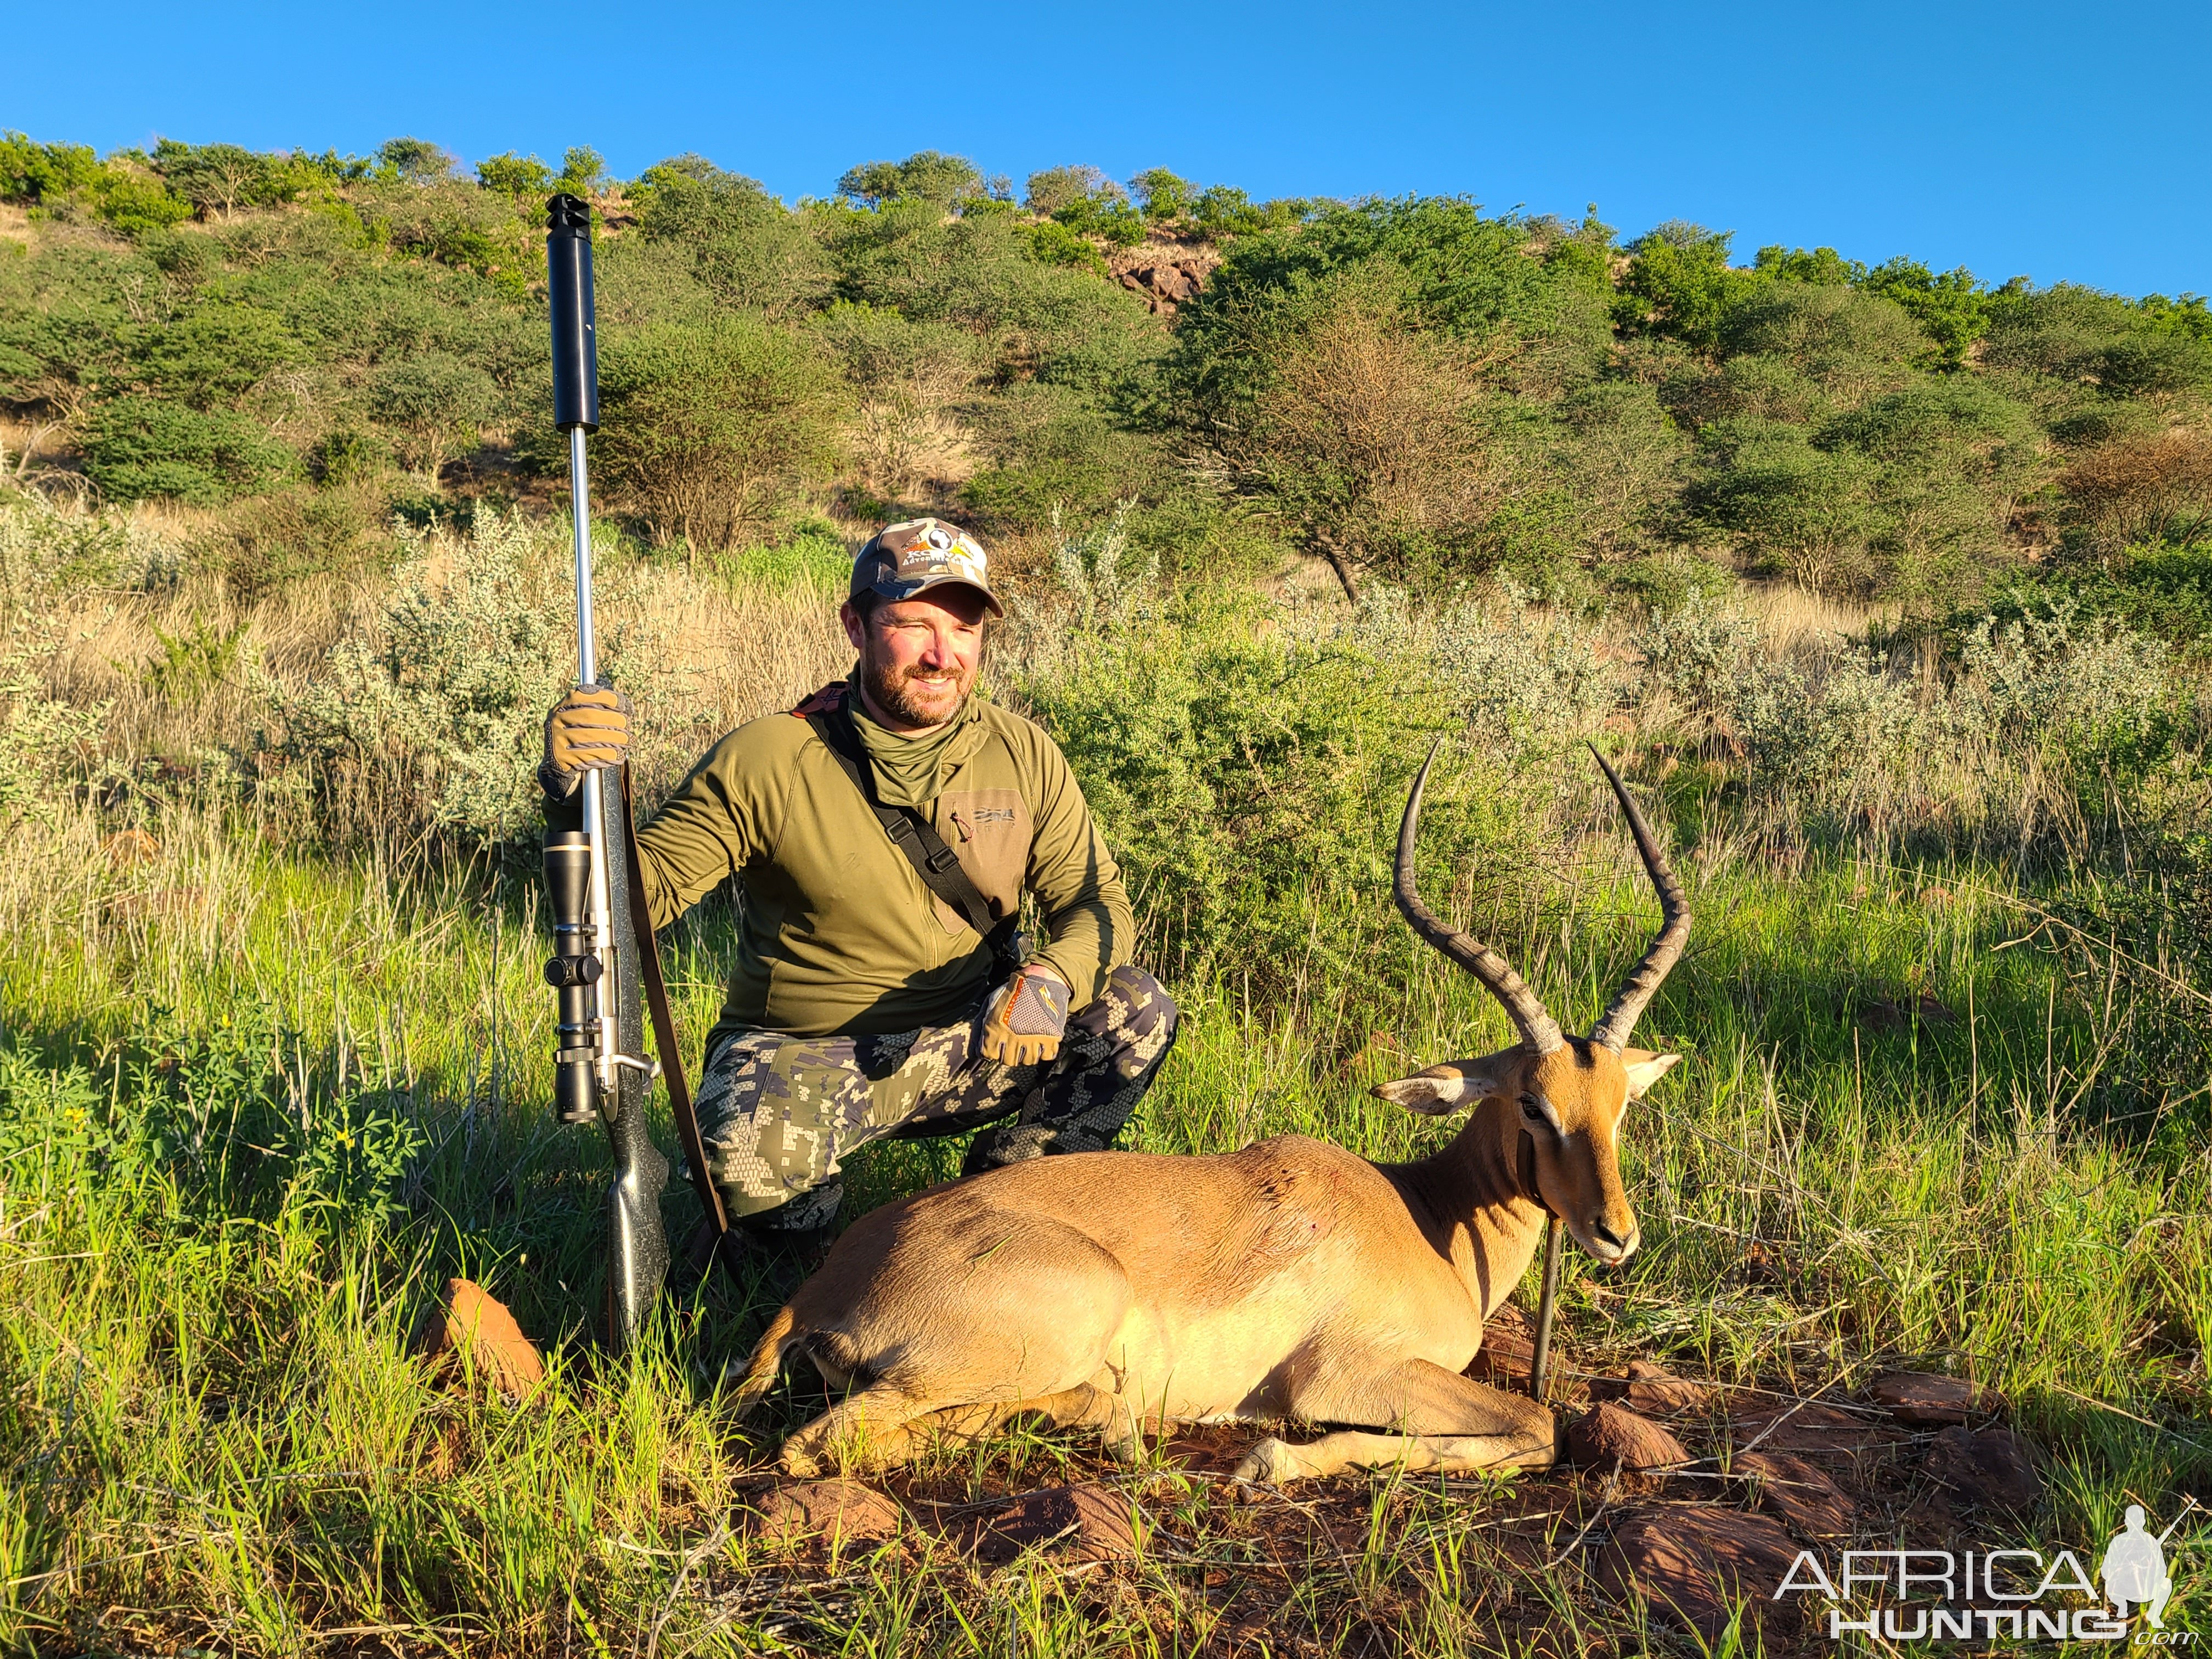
x=895, y=589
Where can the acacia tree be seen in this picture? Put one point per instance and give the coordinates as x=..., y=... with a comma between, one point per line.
x=925, y=176
x=708, y=429
x=1355, y=428
x=436, y=402
x=221, y=178
x=2147, y=487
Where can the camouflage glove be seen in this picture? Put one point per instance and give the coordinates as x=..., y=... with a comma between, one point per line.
x=1026, y=1018
x=589, y=728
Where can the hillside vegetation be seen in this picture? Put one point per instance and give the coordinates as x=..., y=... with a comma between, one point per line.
x=1407, y=387
x=1888, y=588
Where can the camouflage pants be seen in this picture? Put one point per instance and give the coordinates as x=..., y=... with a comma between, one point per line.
x=778, y=1112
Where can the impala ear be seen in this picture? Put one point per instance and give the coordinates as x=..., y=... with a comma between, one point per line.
x=1455, y=1084
x=1644, y=1068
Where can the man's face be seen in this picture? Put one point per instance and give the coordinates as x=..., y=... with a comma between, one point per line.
x=919, y=656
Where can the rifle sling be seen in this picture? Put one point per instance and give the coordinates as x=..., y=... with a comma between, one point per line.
x=663, y=1039
x=937, y=864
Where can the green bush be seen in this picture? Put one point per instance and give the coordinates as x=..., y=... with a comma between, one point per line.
x=774, y=265
x=221, y=178
x=707, y=431
x=134, y=203
x=1054, y=189
x=1250, y=777
x=583, y=171
x=1952, y=308
x=927, y=175
x=141, y=446
x=2073, y=333
x=688, y=199
x=210, y=354
x=208, y=1102
x=415, y=160
x=1222, y=212
x=1678, y=284
x=1464, y=275
x=1055, y=243
x=33, y=173
x=1906, y=496
x=1853, y=345
x=1162, y=194
x=813, y=559
x=436, y=402
x=516, y=175
x=264, y=544
x=1114, y=221
x=2161, y=593
x=441, y=698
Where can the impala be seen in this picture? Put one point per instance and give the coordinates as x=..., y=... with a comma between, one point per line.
x=1289, y=1281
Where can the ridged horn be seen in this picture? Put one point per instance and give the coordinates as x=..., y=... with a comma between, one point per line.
x=1539, y=1032
x=1637, y=989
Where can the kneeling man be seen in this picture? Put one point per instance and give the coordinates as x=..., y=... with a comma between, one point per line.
x=882, y=835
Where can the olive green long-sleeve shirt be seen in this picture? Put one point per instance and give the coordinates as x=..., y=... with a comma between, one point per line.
x=837, y=934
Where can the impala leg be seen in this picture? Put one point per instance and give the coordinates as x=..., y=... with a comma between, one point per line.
x=1445, y=1423
x=871, y=1430
x=1079, y=1407
x=879, y=1428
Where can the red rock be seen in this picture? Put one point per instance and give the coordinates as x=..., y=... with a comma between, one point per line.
x=1652, y=1388
x=1924, y=1398
x=1988, y=1469
x=842, y=1511
x=1697, y=1563
x=468, y=1320
x=1815, y=1429
x=1797, y=1493
x=1507, y=1350
x=1086, y=1522
x=1611, y=1436
x=1165, y=284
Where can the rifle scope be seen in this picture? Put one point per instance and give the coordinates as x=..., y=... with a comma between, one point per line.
x=573, y=973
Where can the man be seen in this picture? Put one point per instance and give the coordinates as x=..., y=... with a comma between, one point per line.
x=882, y=835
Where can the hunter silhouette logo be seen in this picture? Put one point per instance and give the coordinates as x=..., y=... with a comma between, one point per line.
x=1988, y=1594
x=2134, y=1572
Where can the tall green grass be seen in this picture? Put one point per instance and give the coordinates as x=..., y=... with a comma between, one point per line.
x=259, y=1105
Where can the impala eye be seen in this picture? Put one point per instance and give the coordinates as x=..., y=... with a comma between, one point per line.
x=1531, y=1110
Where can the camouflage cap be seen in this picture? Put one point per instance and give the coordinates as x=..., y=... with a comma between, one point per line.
x=903, y=560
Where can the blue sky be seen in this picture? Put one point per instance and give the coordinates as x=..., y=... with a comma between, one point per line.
x=2061, y=144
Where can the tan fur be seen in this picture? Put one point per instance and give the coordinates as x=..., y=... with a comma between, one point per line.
x=1126, y=1291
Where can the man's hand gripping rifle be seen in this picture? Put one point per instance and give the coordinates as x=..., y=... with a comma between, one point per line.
x=604, y=949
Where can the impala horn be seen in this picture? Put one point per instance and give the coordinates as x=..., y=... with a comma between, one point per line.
x=1539, y=1032
x=1636, y=990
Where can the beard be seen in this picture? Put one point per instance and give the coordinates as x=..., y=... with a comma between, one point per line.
x=913, y=695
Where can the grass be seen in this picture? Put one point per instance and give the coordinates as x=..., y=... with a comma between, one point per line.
x=213, y=1437
x=267, y=1082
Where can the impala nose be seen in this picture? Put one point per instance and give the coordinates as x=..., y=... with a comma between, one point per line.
x=1616, y=1246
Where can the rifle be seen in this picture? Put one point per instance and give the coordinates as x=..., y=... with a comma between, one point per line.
x=594, y=972
x=603, y=939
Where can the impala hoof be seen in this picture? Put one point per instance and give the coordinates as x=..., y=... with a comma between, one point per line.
x=1269, y=1463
